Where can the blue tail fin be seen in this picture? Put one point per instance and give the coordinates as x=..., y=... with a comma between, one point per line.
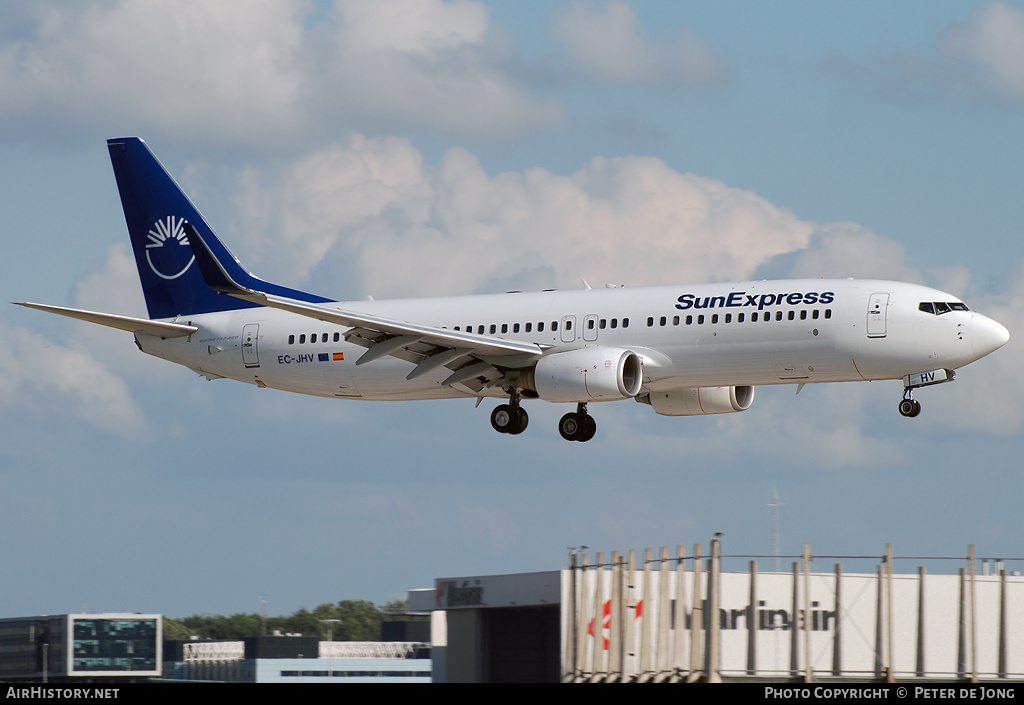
x=156, y=211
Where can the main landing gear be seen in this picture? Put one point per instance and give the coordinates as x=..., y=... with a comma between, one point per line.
x=513, y=419
x=577, y=426
x=510, y=418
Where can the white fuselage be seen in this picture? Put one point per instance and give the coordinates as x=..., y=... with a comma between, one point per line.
x=707, y=335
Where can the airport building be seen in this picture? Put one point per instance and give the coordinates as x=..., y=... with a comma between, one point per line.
x=678, y=616
x=81, y=648
x=299, y=659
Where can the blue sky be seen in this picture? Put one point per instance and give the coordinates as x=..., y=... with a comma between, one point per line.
x=419, y=148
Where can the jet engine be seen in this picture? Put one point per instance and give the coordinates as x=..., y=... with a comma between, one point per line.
x=698, y=401
x=586, y=374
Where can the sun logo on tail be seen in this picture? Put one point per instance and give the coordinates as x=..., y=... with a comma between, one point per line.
x=168, y=248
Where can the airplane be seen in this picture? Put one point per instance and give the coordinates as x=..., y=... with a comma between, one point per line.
x=684, y=350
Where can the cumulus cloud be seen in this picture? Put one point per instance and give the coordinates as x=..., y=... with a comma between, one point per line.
x=33, y=369
x=250, y=70
x=606, y=43
x=89, y=364
x=979, y=58
x=989, y=50
x=630, y=220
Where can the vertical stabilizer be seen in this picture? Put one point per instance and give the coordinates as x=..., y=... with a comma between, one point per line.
x=156, y=211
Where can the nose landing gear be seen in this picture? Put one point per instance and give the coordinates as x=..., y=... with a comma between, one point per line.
x=909, y=406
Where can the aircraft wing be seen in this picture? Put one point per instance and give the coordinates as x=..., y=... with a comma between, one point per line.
x=128, y=323
x=470, y=357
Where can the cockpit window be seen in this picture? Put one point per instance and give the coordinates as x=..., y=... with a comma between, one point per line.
x=939, y=307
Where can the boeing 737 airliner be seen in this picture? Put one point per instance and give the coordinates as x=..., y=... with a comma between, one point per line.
x=684, y=350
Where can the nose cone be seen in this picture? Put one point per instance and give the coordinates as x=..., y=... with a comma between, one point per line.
x=986, y=335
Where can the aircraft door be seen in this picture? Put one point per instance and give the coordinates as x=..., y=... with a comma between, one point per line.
x=568, y=329
x=250, y=351
x=590, y=327
x=877, y=307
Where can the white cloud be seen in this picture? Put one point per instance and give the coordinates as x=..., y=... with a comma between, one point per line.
x=630, y=220
x=175, y=66
x=250, y=71
x=979, y=58
x=990, y=48
x=606, y=44
x=33, y=369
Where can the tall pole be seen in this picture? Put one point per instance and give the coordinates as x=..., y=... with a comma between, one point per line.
x=776, y=552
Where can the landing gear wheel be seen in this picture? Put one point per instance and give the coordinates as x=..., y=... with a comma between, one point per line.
x=524, y=420
x=570, y=425
x=910, y=407
x=577, y=427
x=589, y=430
x=506, y=419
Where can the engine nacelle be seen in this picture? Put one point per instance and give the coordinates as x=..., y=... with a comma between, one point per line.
x=698, y=401
x=586, y=374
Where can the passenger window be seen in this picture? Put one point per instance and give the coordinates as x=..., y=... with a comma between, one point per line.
x=675, y=320
x=814, y=314
x=590, y=324
x=700, y=320
x=625, y=323
x=603, y=323
x=615, y=323
x=515, y=328
x=714, y=318
x=650, y=321
x=302, y=339
x=480, y=330
x=803, y=315
x=540, y=327
x=291, y=340
x=739, y=318
x=494, y=329
x=337, y=337
x=663, y=321
x=689, y=320
x=753, y=317
x=828, y=313
x=728, y=318
x=792, y=315
x=778, y=315
x=529, y=327
x=504, y=327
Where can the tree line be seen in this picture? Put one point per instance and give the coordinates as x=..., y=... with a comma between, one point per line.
x=346, y=620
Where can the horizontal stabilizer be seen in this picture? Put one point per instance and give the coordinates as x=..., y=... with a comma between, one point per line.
x=128, y=323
